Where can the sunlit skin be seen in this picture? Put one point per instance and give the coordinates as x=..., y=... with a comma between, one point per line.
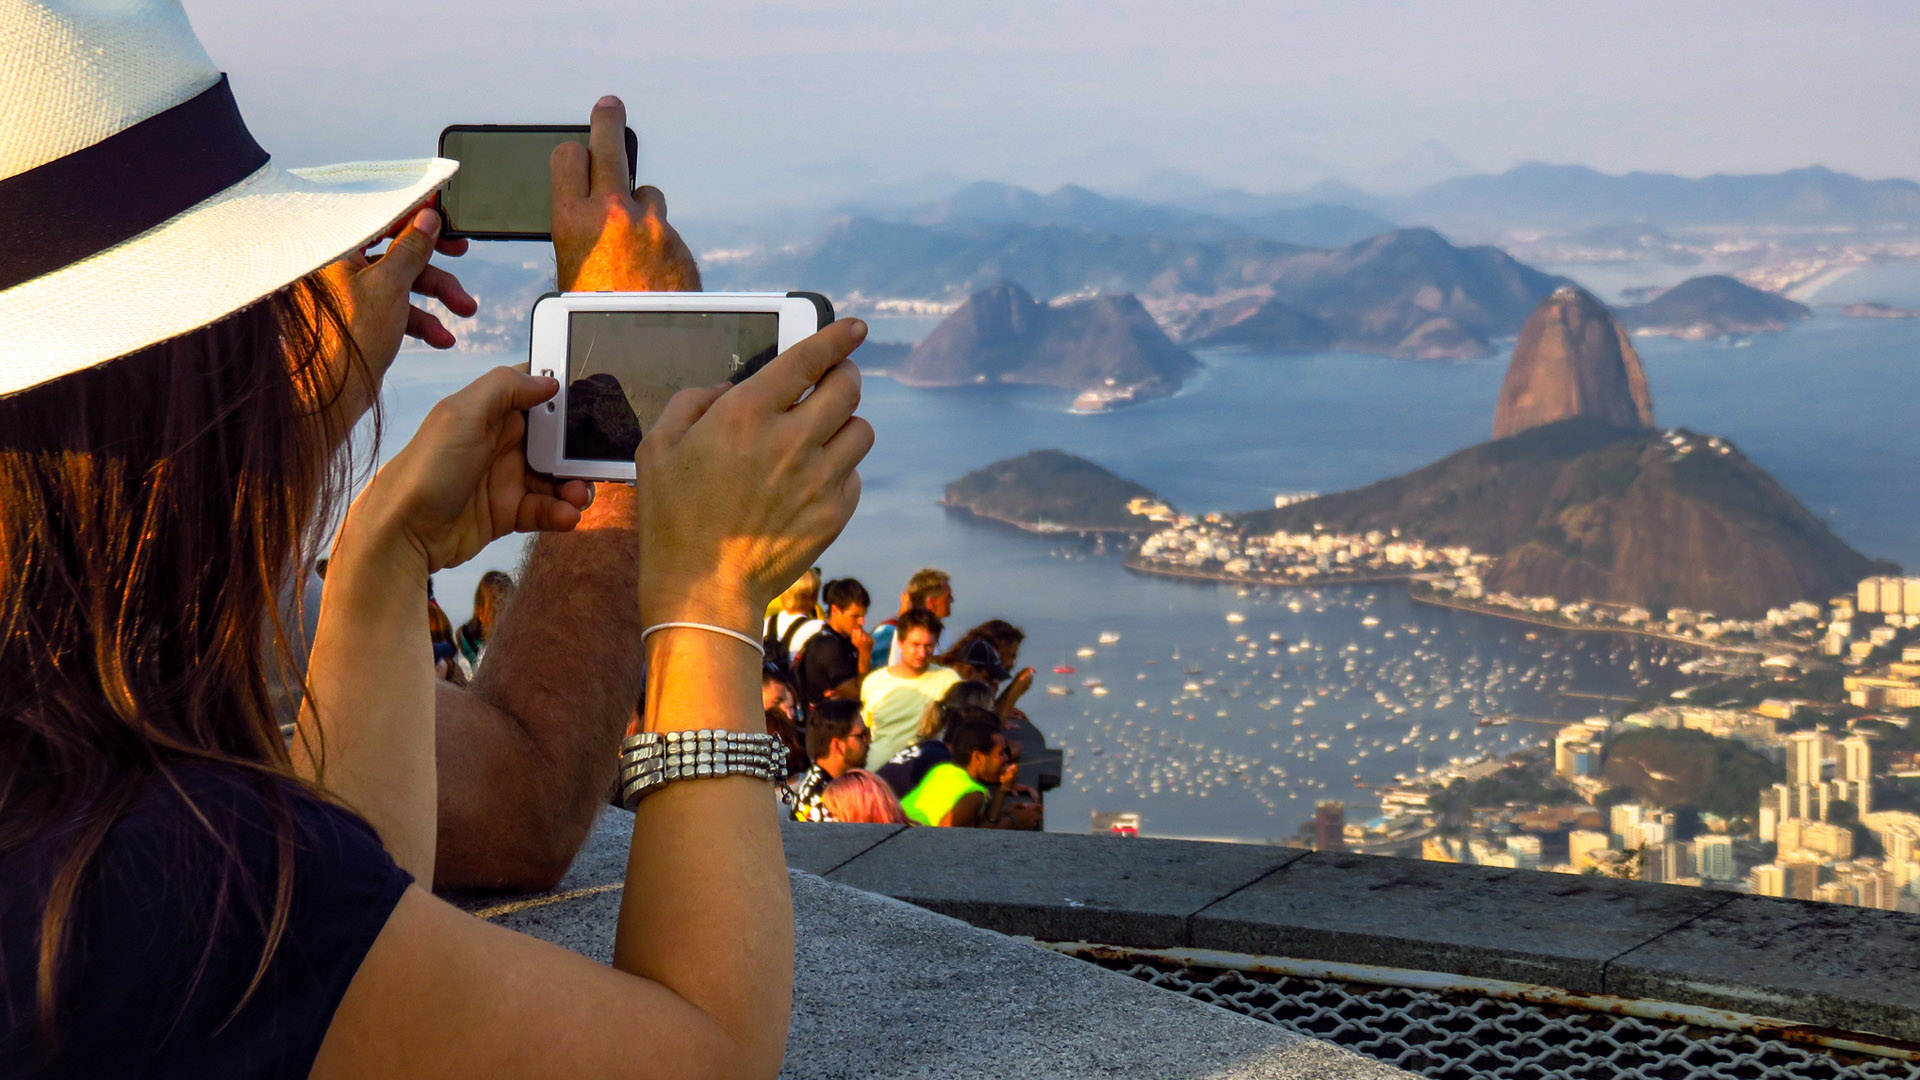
x=848, y=621
x=941, y=603
x=846, y=753
x=701, y=976
x=916, y=653
x=851, y=623
x=777, y=695
x=995, y=770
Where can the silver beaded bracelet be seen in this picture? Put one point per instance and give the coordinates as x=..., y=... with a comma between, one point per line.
x=651, y=759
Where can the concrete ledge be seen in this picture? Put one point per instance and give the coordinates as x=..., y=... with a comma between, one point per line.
x=1056, y=886
x=822, y=851
x=1821, y=964
x=1485, y=922
x=888, y=990
x=885, y=989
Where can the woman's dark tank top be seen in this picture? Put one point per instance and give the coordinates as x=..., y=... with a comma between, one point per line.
x=164, y=946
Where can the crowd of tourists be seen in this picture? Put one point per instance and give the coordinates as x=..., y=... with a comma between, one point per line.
x=881, y=725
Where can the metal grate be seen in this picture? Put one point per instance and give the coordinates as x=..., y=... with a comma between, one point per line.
x=1456, y=1036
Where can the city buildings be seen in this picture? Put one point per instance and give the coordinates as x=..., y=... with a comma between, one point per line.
x=1329, y=825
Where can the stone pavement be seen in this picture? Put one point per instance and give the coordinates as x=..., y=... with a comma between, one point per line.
x=886, y=989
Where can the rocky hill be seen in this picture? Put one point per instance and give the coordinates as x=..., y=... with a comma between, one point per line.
x=1408, y=293
x=1572, y=359
x=1688, y=768
x=1710, y=306
x=1582, y=509
x=1107, y=345
x=1050, y=491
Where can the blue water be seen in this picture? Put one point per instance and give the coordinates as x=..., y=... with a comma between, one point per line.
x=1827, y=407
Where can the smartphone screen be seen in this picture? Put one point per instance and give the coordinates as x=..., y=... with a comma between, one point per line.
x=504, y=187
x=622, y=366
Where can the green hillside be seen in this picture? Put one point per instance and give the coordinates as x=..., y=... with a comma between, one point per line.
x=1689, y=768
x=1581, y=509
x=1050, y=490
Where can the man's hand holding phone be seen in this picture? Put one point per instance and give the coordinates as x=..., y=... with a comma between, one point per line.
x=605, y=237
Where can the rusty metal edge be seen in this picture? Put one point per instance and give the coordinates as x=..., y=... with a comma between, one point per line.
x=1763, y=1027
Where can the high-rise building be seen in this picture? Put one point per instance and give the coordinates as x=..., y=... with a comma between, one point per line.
x=1786, y=835
x=1330, y=825
x=1651, y=834
x=1656, y=862
x=1713, y=857
x=1856, y=758
x=1625, y=817
x=1525, y=849
x=1583, y=845
x=1834, y=841
x=1802, y=877
x=1769, y=824
x=1578, y=750
x=1803, y=757
x=1869, y=596
x=1870, y=888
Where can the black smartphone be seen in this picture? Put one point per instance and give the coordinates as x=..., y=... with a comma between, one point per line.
x=503, y=190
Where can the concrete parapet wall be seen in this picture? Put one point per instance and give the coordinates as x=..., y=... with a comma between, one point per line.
x=1821, y=965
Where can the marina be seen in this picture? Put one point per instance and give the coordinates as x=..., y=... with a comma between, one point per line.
x=1212, y=729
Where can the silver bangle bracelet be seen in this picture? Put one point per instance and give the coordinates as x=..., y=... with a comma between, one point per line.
x=651, y=760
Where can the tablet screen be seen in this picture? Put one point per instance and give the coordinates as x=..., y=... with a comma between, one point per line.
x=622, y=366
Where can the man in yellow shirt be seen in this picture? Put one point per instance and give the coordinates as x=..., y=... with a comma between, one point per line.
x=893, y=697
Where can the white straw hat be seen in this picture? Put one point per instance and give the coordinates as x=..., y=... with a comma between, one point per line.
x=134, y=205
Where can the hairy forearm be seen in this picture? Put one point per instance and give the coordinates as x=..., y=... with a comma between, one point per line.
x=706, y=911
x=528, y=754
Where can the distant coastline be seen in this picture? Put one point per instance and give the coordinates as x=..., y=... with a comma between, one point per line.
x=1039, y=528
x=1141, y=566
x=1531, y=619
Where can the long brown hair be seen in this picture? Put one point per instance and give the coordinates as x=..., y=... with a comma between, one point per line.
x=154, y=511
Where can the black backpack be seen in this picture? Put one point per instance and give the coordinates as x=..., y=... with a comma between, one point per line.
x=779, y=647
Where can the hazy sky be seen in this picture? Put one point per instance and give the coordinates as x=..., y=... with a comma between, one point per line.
x=764, y=102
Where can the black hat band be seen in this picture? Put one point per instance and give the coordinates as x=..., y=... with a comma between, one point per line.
x=58, y=213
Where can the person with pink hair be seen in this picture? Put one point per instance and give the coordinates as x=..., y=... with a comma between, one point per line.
x=861, y=796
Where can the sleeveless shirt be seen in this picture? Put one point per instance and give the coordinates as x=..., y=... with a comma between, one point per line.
x=160, y=953
x=942, y=789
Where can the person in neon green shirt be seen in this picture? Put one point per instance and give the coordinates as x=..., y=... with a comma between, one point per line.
x=956, y=793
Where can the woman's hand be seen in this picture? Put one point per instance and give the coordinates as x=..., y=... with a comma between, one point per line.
x=374, y=295
x=462, y=481
x=741, y=488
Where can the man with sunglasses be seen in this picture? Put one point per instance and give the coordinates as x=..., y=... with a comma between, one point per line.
x=837, y=741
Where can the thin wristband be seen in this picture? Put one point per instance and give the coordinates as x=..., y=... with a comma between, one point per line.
x=734, y=634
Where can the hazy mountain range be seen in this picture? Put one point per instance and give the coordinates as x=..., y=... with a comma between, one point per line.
x=1564, y=199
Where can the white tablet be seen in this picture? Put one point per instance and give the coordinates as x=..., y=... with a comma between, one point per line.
x=620, y=356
